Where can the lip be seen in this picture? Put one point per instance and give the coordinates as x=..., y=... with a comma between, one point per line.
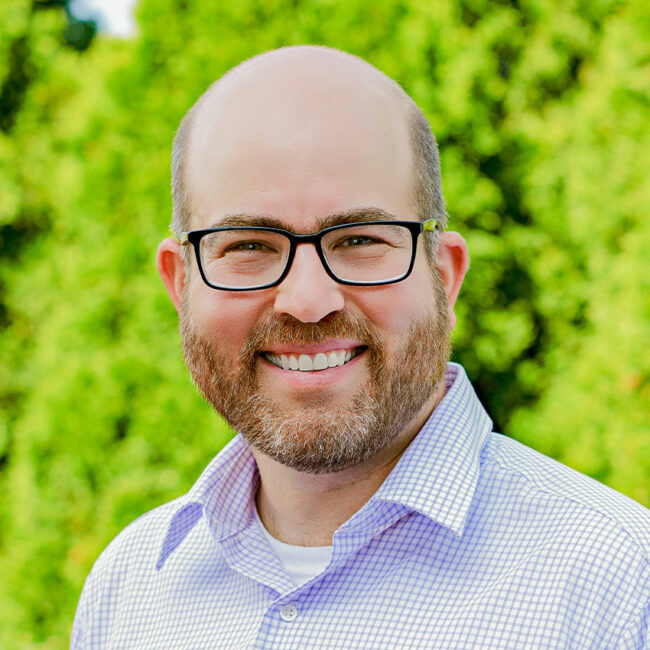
x=315, y=348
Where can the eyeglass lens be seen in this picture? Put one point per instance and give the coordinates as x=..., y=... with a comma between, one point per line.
x=360, y=253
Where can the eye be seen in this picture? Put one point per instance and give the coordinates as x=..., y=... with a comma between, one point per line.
x=249, y=246
x=354, y=241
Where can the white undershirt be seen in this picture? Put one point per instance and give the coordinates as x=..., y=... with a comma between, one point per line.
x=301, y=562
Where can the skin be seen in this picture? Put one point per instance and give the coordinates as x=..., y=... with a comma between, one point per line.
x=300, y=136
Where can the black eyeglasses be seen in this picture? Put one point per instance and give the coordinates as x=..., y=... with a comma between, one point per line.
x=247, y=258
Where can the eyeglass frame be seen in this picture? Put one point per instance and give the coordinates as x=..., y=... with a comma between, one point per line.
x=416, y=228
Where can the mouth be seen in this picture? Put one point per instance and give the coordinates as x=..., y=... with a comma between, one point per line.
x=313, y=362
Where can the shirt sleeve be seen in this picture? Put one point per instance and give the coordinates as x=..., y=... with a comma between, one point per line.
x=89, y=627
x=79, y=626
x=636, y=635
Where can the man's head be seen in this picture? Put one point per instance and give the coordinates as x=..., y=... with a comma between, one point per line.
x=300, y=138
x=427, y=184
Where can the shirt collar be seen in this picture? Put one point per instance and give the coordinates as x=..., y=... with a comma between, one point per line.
x=438, y=473
x=436, y=476
x=224, y=493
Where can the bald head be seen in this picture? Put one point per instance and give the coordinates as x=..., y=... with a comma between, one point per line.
x=317, y=108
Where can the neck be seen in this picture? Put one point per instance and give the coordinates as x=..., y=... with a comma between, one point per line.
x=306, y=509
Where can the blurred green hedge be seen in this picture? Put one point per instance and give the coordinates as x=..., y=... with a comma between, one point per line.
x=541, y=110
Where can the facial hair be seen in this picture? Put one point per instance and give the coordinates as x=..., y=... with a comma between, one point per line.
x=315, y=435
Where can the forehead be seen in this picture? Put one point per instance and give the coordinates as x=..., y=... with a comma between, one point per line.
x=297, y=145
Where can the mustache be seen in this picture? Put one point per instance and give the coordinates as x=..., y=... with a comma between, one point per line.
x=286, y=329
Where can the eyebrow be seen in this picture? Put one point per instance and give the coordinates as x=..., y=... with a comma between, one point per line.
x=265, y=221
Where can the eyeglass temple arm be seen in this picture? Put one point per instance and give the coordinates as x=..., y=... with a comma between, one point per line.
x=184, y=238
x=431, y=225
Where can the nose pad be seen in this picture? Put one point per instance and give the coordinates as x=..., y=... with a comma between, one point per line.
x=308, y=293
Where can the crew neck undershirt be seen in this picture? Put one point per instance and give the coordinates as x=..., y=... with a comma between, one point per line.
x=302, y=563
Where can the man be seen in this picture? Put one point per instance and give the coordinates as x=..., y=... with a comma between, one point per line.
x=366, y=502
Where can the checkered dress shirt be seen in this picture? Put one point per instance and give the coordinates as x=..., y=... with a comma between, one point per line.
x=473, y=541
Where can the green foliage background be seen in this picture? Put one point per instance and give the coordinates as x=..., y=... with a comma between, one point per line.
x=541, y=109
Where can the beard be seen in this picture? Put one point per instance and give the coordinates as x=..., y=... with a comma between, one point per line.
x=316, y=435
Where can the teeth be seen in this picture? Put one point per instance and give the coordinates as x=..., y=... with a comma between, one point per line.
x=320, y=362
x=307, y=363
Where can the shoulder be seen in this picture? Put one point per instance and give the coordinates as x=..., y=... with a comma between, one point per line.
x=131, y=553
x=142, y=538
x=565, y=490
x=577, y=536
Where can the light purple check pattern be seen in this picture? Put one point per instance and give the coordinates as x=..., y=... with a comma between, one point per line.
x=473, y=541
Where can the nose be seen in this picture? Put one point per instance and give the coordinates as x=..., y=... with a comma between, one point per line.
x=308, y=293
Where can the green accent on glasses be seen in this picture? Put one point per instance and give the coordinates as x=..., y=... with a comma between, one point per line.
x=248, y=258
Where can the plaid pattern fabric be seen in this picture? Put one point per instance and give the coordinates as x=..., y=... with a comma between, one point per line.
x=473, y=541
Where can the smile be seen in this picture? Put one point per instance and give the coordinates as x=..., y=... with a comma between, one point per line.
x=313, y=362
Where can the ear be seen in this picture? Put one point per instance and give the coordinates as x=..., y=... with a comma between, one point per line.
x=452, y=260
x=171, y=268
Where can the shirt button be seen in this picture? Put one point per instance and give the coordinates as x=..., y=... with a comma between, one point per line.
x=288, y=612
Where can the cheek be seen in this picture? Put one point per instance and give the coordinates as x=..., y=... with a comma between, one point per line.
x=393, y=308
x=227, y=317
